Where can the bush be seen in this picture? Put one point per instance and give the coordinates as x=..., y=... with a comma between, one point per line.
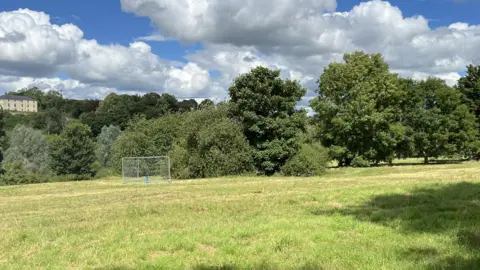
x=210, y=145
x=359, y=162
x=220, y=149
x=28, y=151
x=105, y=142
x=179, y=162
x=14, y=178
x=311, y=160
x=71, y=177
x=73, y=152
x=131, y=144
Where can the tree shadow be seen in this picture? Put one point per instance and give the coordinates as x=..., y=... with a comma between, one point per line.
x=431, y=162
x=260, y=266
x=419, y=163
x=452, y=210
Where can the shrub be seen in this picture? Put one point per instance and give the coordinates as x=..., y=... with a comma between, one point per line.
x=219, y=149
x=105, y=142
x=16, y=178
x=179, y=157
x=71, y=177
x=28, y=151
x=359, y=162
x=131, y=144
x=210, y=145
x=311, y=160
x=73, y=152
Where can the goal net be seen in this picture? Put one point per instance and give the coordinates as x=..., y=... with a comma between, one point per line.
x=146, y=169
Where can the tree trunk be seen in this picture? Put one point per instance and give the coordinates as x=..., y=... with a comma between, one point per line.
x=425, y=159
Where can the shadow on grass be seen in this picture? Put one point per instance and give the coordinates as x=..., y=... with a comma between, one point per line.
x=453, y=210
x=431, y=162
x=419, y=163
x=261, y=266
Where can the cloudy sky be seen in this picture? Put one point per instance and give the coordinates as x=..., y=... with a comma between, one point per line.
x=195, y=48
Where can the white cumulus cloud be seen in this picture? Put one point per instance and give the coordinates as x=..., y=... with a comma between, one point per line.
x=32, y=49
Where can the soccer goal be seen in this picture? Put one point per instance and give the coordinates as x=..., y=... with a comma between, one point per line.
x=146, y=169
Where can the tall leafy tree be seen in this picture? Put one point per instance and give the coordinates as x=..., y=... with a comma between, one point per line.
x=187, y=105
x=438, y=123
x=206, y=103
x=55, y=121
x=117, y=109
x=469, y=86
x=168, y=104
x=3, y=134
x=131, y=144
x=105, y=142
x=265, y=106
x=28, y=150
x=210, y=144
x=358, y=109
x=73, y=151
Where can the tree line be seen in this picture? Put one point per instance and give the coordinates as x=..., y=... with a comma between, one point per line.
x=363, y=115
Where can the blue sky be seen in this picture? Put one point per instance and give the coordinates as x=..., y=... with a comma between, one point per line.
x=214, y=52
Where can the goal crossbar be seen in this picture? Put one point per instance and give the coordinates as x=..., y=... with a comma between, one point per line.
x=146, y=169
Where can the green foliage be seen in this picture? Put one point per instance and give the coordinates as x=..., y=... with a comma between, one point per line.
x=73, y=151
x=70, y=177
x=3, y=134
x=357, y=109
x=205, y=103
x=131, y=144
x=359, y=162
x=265, y=106
x=187, y=105
x=210, y=145
x=311, y=160
x=46, y=100
x=28, y=151
x=105, y=142
x=437, y=122
x=11, y=120
x=180, y=160
x=161, y=131
x=469, y=86
x=14, y=177
x=55, y=121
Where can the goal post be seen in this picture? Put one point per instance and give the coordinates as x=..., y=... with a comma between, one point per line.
x=146, y=169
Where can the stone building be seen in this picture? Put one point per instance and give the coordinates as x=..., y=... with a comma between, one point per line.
x=18, y=104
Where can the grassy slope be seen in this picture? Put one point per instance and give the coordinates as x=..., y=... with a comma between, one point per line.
x=405, y=217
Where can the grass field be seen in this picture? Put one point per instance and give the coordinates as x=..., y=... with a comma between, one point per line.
x=405, y=217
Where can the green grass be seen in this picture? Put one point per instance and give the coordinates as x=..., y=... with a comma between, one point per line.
x=405, y=217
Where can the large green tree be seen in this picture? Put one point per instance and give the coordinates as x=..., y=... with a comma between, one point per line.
x=437, y=122
x=55, y=121
x=131, y=144
x=357, y=109
x=3, y=134
x=265, y=106
x=73, y=151
x=469, y=86
x=210, y=144
x=28, y=151
x=105, y=142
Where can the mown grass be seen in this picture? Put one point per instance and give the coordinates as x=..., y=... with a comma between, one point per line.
x=404, y=217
